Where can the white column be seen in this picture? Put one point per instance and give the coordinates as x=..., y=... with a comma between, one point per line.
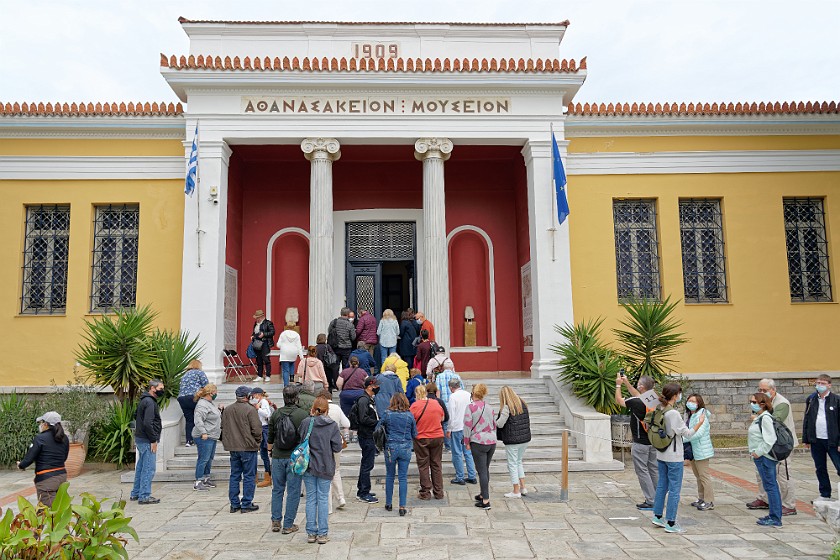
x=203, y=272
x=322, y=152
x=435, y=301
x=551, y=280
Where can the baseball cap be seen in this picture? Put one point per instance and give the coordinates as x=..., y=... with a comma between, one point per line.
x=242, y=391
x=371, y=381
x=52, y=418
x=257, y=391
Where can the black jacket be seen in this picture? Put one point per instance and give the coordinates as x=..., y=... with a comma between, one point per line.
x=148, y=419
x=445, y=410
x=517, y=429
x=367, y=416
x=267, y=330
x=832, y=419
x=47, y=454
x=408, y=332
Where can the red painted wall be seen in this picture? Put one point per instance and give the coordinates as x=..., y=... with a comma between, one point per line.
x=523, y=239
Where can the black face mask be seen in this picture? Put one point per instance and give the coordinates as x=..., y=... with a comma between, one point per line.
x=156, y=394
x=375, y=390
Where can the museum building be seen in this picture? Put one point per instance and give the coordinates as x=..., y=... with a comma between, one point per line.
x=395, y=165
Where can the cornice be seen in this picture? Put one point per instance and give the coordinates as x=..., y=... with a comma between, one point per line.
x=169, y=127
x=91, y=167
x=742, y=125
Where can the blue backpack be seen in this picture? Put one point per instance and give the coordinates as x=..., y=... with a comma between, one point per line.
x=300, y=456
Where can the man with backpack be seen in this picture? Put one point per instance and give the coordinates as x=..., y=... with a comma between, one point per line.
x=282, y=439
x=363, y=418
x=341, y=335
x=642, y=452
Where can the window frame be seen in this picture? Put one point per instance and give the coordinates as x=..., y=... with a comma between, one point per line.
x=51, y=238
x=822, y=250
x=697, y=229
x=636, y=289
x=113, y=258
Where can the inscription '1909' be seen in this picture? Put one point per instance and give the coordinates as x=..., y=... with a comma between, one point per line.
x=375, y=106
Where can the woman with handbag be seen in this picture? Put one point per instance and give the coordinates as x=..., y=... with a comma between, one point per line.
x=351, y=383
x=310, y=368
x=513, y=427
x=428, y=445
x=698, y=449
x=329, y=359
x=324, y=442
x=401, y=428
x=291, y=349
x=480, y=440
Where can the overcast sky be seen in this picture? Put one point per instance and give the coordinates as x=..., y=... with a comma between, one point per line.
x=638, y=50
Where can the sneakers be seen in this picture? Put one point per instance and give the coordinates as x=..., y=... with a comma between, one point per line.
x=478, y=498
x=276, y=526
x=341, y=504
x=149, y=500
x=248, y=509
x=189, y=444
x=403, y=511
x=200, y=486
x=696, y=502
x=472, y=481
x=706, y=506
x=311, y=539
x=523, y=491
x=389, y=507
x=675, y=528
x=368, y=499
x=459, y=481
x=133, y=498
x=768, y=522
x=513, y=495
x=644, y=505
x=208, y=483
x=322, y=539
x=788, y=511
x=234, y=509
x=483, y=505
x=658, y=521
x=758, y=504
x=290, y=530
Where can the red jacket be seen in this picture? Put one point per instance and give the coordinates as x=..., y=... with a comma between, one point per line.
x=430, y=423
x=366, y=329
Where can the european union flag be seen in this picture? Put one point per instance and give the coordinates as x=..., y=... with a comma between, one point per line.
x=559, y=181
x=192, y=166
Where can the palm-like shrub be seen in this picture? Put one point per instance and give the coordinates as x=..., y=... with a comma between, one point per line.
x=118, y=351
x=111, y=438
x=17, y=427
x=588, y=365
x=650, y=338
x=176, y=351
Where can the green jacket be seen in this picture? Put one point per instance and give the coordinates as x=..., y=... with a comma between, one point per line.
x=701, y=441
x=297, y=414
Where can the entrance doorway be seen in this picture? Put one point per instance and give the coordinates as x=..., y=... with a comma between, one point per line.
x=381, y=266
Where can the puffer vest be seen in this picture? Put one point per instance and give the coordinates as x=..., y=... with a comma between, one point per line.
x=517, y=429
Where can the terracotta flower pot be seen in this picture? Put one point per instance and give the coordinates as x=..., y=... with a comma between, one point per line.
x=75, y=460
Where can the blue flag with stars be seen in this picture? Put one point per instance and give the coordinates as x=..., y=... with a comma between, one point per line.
x=192, y=166
x=559, y=181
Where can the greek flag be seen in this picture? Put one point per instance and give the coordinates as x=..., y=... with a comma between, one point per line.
x=192, y=166
x=559, y=181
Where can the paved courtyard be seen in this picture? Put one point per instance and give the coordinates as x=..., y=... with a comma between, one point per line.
x=599, y=521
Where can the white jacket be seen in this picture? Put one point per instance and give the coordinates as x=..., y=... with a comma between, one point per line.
x=290, y=346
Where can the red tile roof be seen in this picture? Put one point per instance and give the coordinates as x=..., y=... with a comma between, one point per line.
x=702, y=109
x=91, y=109
x=325, y=64
x=565, y=23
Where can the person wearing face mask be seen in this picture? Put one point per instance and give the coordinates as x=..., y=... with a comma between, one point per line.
x=787, y=486
x=146, y=438
x=760, y=439
x=821, y=431
x=259, y=400
x=368, y=418
x=205, y=434
x=241, y=435
x=49, y=452
x=671, y=460
x=698, y=450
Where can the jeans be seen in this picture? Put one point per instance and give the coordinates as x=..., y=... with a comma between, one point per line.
x=144, y=470
x=514, y=453
x=458, y=457
x=188, y=408
x=206, y=451
x=767, y=471
x=284, y=481
x=482, y=455
x=263, y=359
x=670, y=482
x=787, y=486
x=288, y=369
x=447, y=441
x=647, y=469
x=243, y=466
x=264, y=450
x=397, y=459
x=317, y=504
x=819, y=450
x=368, y=459
x=384, y=352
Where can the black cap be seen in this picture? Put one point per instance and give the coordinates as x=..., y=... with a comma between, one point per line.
x=371, y=381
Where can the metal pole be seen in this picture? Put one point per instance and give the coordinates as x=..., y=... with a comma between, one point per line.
x=564, y=479
x=553, y=228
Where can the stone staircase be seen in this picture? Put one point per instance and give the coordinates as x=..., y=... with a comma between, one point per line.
x=544, y=454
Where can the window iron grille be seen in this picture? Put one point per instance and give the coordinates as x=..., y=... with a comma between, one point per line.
x=703, y=259
x=115, y=243
x=380, y=241
x=807, y=249
x=636, y=249
x=45, y=257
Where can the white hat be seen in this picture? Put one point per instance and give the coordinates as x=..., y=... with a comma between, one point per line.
x=52, y=418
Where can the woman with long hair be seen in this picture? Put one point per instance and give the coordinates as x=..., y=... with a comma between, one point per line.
x=351, y=383
x=291, y=348
x=329, y=359
x=480, y=440
x=401, y=428
x=388, y=331
x=514, y=428
x=311, y=368
x=670, y=460
x=324, y=443
x=49, y=452
x=193, y=380
x=408, y=332
x=698, y=450
x=206, y=434
x=761, y=437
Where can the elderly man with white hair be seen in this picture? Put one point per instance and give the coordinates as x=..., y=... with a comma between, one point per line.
x=787, y=486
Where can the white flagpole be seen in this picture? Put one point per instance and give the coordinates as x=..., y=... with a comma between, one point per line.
x=553, y=229
x=198, y=230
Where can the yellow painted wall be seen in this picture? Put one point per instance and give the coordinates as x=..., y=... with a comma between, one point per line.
x=36, y=349
x=700, y=143
x=759, y=330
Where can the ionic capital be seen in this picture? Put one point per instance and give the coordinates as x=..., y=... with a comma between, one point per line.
x=321, y=148
x=426, y=148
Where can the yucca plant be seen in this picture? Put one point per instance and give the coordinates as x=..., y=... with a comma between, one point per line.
x=650, y=338
x=118, y=352
x=587, y=365
x=17, y=427
x=111, y=438
x=175, y=352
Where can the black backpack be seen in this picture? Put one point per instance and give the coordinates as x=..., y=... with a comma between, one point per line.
x=783, y=447
x=355, y=416
x=285, y=434
x=332, y=336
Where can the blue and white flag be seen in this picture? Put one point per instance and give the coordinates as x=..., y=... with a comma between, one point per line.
x=192, y=166
x=559, y=181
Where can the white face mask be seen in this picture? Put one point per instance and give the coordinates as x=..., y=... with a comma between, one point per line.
x=255, y=400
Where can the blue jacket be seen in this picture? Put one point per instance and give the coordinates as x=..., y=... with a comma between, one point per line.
x=389, y=384
x=701, y=441
x=365, y=360
x=401, y=427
